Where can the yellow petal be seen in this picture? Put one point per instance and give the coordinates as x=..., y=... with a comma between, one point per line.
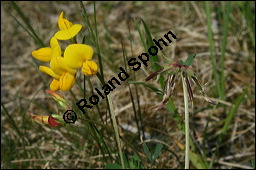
x=56, y=50
x=76, y=54
x=89, y=68
x=49, y=71
x=54, y=42
x=63, y=23
x=43, y=54
x=67, y=81
x=59, y=66
x=55, y=85
x=68, y=33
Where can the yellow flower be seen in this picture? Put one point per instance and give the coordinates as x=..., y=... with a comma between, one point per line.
x=67, y=81
x=64, y=76
x=49, y=71
x=59, y=66
x=55, y=85
x=68, y=30
x=89, y=68
x=78, y=55
x=45, y=54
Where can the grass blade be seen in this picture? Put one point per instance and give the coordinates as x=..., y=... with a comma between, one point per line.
x=10, y=119
x=228, y=120
x=224, y=45
x=210, y=39
x=26, y=21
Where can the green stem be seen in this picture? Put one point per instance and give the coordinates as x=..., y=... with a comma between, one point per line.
x=113, y=117
x=210, y=38
x=185, y=92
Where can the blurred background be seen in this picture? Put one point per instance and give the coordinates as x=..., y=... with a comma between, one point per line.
x=200, y=28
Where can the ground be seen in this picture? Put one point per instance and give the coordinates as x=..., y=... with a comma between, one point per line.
x=25, y=144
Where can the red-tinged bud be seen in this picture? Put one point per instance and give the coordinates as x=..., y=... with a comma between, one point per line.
x=190, y=92
x=53, y=122
x=172, y=80
x=58, y=97
x=154, y=74
x=188, y=74
x=168, y=91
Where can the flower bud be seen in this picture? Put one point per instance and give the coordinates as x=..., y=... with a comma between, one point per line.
x=57, y=97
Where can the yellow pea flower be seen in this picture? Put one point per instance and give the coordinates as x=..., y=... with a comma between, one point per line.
x=89, y=68
x=78, y=55
x=59, y=66
x=67, y=81
x=64, y=76
x=45, y=54
x=68, y=30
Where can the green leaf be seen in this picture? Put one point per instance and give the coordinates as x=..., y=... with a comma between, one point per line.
x=157, y=151
x=136, y=157
x=132, y=165
x=113, y=166
x=190, y=60
x=253, y=163
x=141, y=36
x=146, y=150
x=149, y=37
x=197, y=161
x=126, y=160
x=135, y=163
x=181, y=62
x=150, y=42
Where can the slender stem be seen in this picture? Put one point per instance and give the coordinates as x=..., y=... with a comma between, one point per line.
x=210, y=38
x=113, y=117
x=185, y=93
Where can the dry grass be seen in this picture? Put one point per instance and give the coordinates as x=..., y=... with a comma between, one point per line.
x=21, y=82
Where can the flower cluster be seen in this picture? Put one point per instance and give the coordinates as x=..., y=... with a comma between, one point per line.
x=64, y=65
x=53, y=120
x=172, y=70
